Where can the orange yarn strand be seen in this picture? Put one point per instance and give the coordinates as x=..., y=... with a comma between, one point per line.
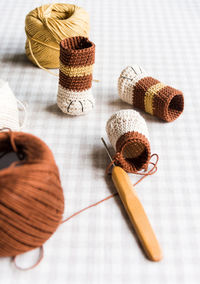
x=14, y=141
x=88, y=207
x=40, y=258
x=152, y=171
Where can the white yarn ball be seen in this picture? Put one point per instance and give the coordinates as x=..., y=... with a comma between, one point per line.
x=9, y=113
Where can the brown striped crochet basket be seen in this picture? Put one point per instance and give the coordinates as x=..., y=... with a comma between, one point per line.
x=77, y=57
x=137, y=88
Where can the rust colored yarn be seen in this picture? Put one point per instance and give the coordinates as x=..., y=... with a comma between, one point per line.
x=31, y=196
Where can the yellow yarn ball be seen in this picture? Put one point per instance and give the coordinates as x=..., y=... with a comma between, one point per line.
x=47, y=25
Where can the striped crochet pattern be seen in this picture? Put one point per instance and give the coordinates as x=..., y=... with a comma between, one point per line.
x=128, y=134
x=137, y=88
x=77, y=57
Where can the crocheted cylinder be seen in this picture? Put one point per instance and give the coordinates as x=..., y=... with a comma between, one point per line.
x=77, y=57
x=128, y=134
x=144, y=92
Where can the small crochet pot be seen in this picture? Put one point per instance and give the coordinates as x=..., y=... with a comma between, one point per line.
x=137, y=88
x=77, y=57
x=128, y=134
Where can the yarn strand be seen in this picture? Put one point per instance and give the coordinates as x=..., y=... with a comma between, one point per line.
x=151, y=171
x=90, y=206
x=40, y=258
x=38, y=64
x=144, y=175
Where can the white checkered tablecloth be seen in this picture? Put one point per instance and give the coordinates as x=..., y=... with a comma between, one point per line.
x=99, y=246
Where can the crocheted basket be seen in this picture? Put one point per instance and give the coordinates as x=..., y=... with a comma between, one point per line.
x=128, y=134
x=137, y=88
x=77, y=57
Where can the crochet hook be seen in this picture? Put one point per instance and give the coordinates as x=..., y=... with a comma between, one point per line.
x=135, y=211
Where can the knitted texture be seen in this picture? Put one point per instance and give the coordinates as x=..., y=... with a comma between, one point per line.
x=31, y=196
x=77, y=56
x=128, y=134
x=144, y=92
x=47, y=25
x=9, y=114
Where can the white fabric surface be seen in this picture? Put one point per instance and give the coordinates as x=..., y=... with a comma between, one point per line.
x=99, y=246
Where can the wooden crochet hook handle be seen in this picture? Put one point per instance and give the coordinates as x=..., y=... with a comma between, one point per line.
x=136, y=214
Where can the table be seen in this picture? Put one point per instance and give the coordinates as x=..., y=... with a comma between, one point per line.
x=99, y=246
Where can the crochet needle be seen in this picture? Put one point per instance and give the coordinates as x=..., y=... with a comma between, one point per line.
x=135, y=211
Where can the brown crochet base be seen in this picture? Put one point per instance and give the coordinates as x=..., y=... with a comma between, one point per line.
x=133, y=152
x=168, y=103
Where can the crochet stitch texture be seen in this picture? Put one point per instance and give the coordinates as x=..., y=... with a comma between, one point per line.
x=77, y=57
x=137, y=88
x=128, y=134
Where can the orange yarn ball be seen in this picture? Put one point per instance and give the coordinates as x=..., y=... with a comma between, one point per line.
x=31, y=196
